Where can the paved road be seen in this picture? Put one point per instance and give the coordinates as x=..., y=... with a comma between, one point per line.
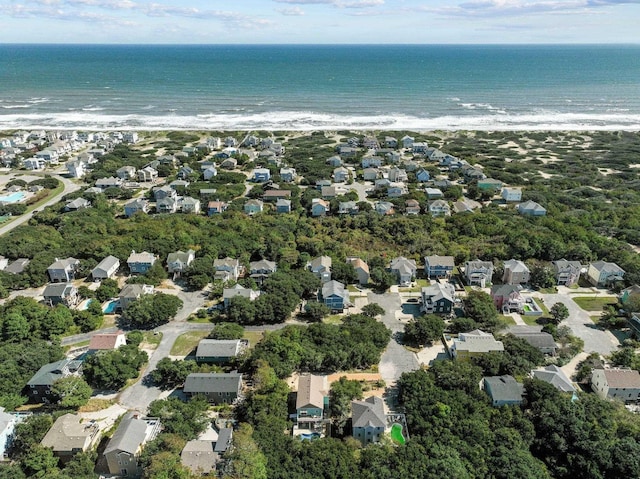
x=69, y=187
x=595, y=340
x=395, y=359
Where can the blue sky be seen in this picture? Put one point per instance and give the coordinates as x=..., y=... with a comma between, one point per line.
x=319, y=21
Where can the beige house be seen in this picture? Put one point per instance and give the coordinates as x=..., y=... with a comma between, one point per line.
x=71, y=434
x=622, y=384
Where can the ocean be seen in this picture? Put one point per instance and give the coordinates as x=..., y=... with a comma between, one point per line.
x=312, y=87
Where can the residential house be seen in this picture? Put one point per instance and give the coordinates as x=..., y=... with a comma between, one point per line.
x=478, y=273
x=122, y=453
x=321, y=268
x=34, y=164
x=230, y=142
x=438, y=298
x=510, y=193
x=8, y=423
x=272, y=196
x=179, y=261
x=148, y=174
x=138, y=205
x=372, y=162
x=77, y=204
x=328, y=192
x=179, y=185
x=319, y=207
x=419, y=147
x=126, y=173
x=412, y=207
x=63, y=270
x=404, y=269
x=253, y=207
x=515, y=272
x=340, y=174
x=106, y=341
x=361, y=268
x=474, y=343
x=434, y=193
x=229, y=163
x=407, y=141
x=202, y=456
x=216, y=207
x=161, y=192
x=381, y=184
x=370, y=142
x=334, y=161
x=370, y=174
x=106, y=268
x=76, y=168
x=507, y=297
x=261, y=175
x=283, y=206
x=604, y=274
x=385, y=208
x=189, y=205
x=347, y=151
x=334, y=295
x=167, y=205
x=397, y=174
x=311, y=401
x=556, y=377
x=39, y=386
x=567, y=272
x=288, y=175
x=368, y=420
x=133, y=292
x=472, y=173
x=438, y=266
x=4, y=262
x=219, y=351
x=439, y=208
x=490, y=185
x=130, y=137
x=616, y=383
x=140, y=263
x=17, y=266
x=209, y=172
x=71, y=434
x=423, y=175
x=262, y=269
x=348, y=208
x=624, y=296
x=61, y=293
x=110, y=182
x=503, y=390
x=185, y=172
x=238, y=290
x=466, y=205
x=396, y=190
x=217, y=388
x=227, y=269
x=530, y=208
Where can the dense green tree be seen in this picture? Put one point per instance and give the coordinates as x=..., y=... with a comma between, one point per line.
x=152, y=310
x=542, y=276
x=341, y=394
x=315, y=311
x=372, y=310
x=246, y=459
x=29, y=433
x=241, y=310
x=559, y=312
x=39, y=461
x=424, y=329
x=226, y=331
x=185, y=419
x=112, y=369
x=71, y=392
x=108, y=289
x=171, y=374
x=479, y=306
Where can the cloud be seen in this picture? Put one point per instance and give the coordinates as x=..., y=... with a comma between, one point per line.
x=291, y=12
x=336, y=3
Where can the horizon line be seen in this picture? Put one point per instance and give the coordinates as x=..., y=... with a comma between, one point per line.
x=317, y=44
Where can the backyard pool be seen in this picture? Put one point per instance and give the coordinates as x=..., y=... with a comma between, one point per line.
x=111, y=306
x=396, y=434
x=13, y=197
x=309, y=436
x=86, y=304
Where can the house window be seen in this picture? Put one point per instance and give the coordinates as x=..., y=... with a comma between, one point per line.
x=124, y=472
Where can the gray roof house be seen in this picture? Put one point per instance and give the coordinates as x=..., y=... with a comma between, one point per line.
x=405, y=269
x=105, y=268
x=179, y=261
x=515, y=272
x=534, y=335
x=17, y=266
x=125, y=446
x=141, y=262
x=39, y=386
x=227, y=269
x=439, y=266
x=478, y=273
x=556, y=377
x=334, y=295
x=77, y=204
x=262, y=269
x=474, y=343
x=201, y=456
x=438, y=298
x=219, y=350
x=63, y=270
x=239, y=290
x=603, y=273
x=567, y=272
x=321, y=267
x=531, y=208
x=368, y=420
x=503, y=390
x=189, y=205
x=61, y=293
x=132, y=292
x=138, y=205
x=71, y=434
x=217, y=388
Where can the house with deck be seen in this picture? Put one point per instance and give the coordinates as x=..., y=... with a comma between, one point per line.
x=140, y=263
x=219, y=351
x=179, y=261
x=616, y=383
x=106, y=268
x=63, y=270
x=321, y=268
x=312, y=401
x=567, y=273
x=334, y=295
x=474, y=343
x=368, y=420
x=515, y=272
x=71, y=434
x=132, y=292
x=478, y=273
x=405, y=270
x=216, y=388
x=438, y=298
x=122, y=453
x=439, y=266
x=61, y=293
x=604, y=273
x=227, y=269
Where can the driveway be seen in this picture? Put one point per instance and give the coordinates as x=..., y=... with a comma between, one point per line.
x=595, y=340
x=395, y=359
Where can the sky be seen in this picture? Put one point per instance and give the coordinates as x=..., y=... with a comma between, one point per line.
x=319, y=21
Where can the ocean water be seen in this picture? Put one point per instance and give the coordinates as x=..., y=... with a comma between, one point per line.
x=309, y=87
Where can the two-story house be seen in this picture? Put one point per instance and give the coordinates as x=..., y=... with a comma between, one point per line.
x=604, y=273
x=404, y=269
x=515, y=272
x=334, y=295
x=368, y=420
x=567, y=273
x=63, y=270
x=262, y=269
x=227, y=269
x=321, y=268
x=140, y=263
x=122, y=453
x=311, y=402
x=179, y=261
x=478, y=273
x=438, y=266
x=438, y=298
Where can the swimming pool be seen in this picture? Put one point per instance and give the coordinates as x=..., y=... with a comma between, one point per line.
x=396, y=434
x=13, y=197
x=111, y=306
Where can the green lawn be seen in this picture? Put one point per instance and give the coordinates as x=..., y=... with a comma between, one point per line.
x=333, y=319
x=542, y=306
x=253, y=337
x=507, y=320
x=595, y=303
x=151, y=339
x=187, y=342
